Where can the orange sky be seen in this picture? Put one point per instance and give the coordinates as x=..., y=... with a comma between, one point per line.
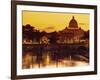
x=50, y=21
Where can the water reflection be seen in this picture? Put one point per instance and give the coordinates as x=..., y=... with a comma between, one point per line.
x=42, y=58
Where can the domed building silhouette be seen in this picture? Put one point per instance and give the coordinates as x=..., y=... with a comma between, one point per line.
x=73, y=23
x=71, y=34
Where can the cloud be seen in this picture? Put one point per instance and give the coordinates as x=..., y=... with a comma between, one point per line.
x=82, y=23
x=50, y=28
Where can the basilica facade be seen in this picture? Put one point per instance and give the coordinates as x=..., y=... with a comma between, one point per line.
x=71, y=34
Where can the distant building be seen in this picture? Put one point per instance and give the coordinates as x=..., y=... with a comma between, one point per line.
x=71, y=34
x=44, y=40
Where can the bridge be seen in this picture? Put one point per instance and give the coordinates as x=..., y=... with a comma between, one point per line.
x=54, y=46
x=79, y=50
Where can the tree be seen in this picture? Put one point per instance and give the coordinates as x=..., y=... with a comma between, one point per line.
x=27, y=31
x=53, y=38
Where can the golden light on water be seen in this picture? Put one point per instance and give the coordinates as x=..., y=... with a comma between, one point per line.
x=48, y=63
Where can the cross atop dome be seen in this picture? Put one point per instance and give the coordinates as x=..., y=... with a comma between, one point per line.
x=73, y=17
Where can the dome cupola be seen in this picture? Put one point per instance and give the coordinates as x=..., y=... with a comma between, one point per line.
x=73, y=23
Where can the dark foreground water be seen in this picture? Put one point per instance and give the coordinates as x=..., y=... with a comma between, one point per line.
x=58, y=57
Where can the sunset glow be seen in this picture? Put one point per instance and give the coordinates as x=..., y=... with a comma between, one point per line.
x=51, y=21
